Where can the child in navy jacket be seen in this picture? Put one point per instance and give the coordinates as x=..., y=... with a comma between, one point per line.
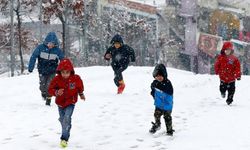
x=162, y=92
x=121, y=55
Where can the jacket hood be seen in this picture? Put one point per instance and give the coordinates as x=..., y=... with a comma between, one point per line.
x=51, y=37
x=117, y=38
x=227, y=45
x=65, y=64
x=160, y=69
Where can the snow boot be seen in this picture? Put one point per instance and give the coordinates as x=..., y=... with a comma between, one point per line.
x=63, y=143
x=223, y=95
x=44, y=96
x=121, y=87
x=229, y=101
x=48, y=101
x=155, y=127
x=170, y=132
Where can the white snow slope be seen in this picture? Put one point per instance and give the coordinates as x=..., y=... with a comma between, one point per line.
x=107, y=121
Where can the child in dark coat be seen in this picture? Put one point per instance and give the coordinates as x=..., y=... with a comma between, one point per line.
x=227, y=66
x=162, y=92
x=121, y=55
x=66, y=87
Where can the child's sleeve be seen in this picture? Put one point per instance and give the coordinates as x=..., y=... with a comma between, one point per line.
x=60, y=54
x=80, y=86
x=107, y=52
x=153, y=85
x=217, y=65
x=170, y=89
x=237, y=69
x=53, y=87
x=33, y=58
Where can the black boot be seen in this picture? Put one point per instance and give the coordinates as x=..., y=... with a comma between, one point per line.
x=155, y=127
x=223, y=95
x=170, y=132
x=229, y=101
x=43, y=96
x=168, y=122
x=48, y=101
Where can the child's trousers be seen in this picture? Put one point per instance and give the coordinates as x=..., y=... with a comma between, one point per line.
x=44, y=81
x=166, y=115
x=230, y=87
x=65, y=120
x=118, y=74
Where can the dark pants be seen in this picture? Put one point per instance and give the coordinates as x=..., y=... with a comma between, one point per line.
x=118, y=73
x=44, y=81
x=229, y=87
x=166, y=115
x=65, y=120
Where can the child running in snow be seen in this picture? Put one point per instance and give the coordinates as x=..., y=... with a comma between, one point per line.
x=121, y=55
x=162, y=92
x=227, y=66
x=66, y=86
x=48, y=55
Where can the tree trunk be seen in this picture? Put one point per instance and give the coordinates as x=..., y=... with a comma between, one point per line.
x=19, y=36
x=63, y=37
x=12, y=54
x=84, y=32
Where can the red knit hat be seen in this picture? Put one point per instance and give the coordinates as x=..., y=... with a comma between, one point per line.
x=227, y=45
x=65, y=64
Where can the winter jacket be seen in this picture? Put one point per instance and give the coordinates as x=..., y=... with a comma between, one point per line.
x=73, y=86
x=227, y=67
x=121, y=56
x=47, y=58
x=162, y=92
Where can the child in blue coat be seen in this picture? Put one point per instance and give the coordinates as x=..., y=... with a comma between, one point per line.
x=48, y=55
x=162, y=92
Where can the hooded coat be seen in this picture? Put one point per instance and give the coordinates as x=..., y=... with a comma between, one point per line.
x=162, y=92
x=47, y=58
x=73, y=86
x=121, y=56
x=227, y=67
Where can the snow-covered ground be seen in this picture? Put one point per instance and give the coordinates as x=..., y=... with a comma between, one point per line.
x=107, y=121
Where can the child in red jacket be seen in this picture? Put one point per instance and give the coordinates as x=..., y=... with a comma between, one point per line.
x=66, y=86
x=227, y=66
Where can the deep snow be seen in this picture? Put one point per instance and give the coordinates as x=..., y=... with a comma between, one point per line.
x=107, y=121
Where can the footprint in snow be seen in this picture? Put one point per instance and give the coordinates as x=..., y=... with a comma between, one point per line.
x=156, y=144
x=139, y=140
x=34, y=135
x=134, y=146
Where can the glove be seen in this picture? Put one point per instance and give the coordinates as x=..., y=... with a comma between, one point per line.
x=82, y=96
x=238, y=79
x=30, y=71
x=107, y=56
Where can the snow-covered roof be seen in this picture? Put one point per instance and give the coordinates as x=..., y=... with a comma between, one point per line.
x=243, y=5
x=151, y=2
x=235, y=10
x=239, y=42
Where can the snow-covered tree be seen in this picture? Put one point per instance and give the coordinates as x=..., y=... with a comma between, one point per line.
x=68, y=12
x=135, y=30
x=21, y=8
